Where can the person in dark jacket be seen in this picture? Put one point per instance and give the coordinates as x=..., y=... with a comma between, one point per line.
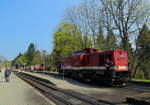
x=7, y=74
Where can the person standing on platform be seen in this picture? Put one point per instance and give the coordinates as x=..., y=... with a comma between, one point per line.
x=7, y=74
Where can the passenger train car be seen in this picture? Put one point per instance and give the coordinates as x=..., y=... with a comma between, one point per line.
x=107, y=66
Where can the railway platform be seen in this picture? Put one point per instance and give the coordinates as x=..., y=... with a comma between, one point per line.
x=17, y=92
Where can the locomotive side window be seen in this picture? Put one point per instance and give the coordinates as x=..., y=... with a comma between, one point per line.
x=78, y=53
x=104, y=57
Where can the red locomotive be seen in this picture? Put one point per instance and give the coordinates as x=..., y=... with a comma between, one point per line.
x=108, y=66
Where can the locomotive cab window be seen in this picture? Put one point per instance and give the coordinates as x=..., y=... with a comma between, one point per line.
x=109, y=56
x=104, y=57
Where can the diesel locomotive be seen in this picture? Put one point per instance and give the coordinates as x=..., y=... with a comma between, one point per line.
x=108, y=66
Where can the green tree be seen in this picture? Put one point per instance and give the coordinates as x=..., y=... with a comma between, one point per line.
x=36, y=58
x=20, y=59
x=49, y=60
x=88, y=42
x=111, y=40
x=30, y=54
x=101, y=41
x=66, y=40
x=52, y=59
x=6, y=63
x=143, y=55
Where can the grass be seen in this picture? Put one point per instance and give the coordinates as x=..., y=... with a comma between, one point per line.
x=140, y=80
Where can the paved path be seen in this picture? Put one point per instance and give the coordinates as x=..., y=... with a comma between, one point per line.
x=17, y=92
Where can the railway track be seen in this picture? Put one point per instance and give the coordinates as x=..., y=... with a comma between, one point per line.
x=139, y=86
x=57, y=95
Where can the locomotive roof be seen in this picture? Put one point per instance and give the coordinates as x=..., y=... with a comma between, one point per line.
x=88, y=50
x=92, y=50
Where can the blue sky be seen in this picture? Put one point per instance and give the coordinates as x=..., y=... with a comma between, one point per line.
x=26, y=21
